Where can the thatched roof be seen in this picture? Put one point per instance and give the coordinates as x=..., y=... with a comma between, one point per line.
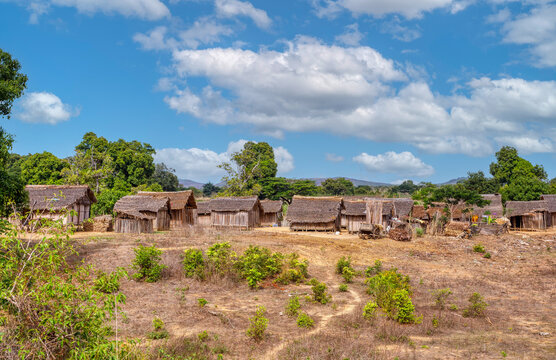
x=57, y=197
x=519, y=208
x=419, y=212
x=495, y=207
x=402, y=207
x=551, y=201
x=355, y=208
x=314, y=209
x=178, y=199
x=141, y=206
x=233, y=204
x=203, y=208
x=271, y=206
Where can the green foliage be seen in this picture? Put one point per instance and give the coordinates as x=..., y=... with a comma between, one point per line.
x=257, y=324
x=319, y=292
x=487, y=255
x=293, y=306
x=159, y=331
x=441, y=297
x=478, y=182
x=106, y=201
x=194, y=264
x=370, y=309
x=305, y=321
x=453, y=307
x=146, y=263
x=338, y=186
x=203, y=336
x=202, y=302
x=209, y=189
x=257, y=264
x=220, y=257
x=43, y=169
x=343, y=288
x=166, y=177
x=304, y=188
x=450, y=195
x=109, y=283
x=342, y=263
x=479, y=248
x=12, y=82
x=406, y=187
x=348, y=274
x=434, y=322
x=401, y=308
x=293, y=270
x=373, y=270
x=419, y=232
x=276, y=188
x=524, y=188
x=12, y=187
x=476, y=307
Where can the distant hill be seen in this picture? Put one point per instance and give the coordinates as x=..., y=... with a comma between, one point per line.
x=355, y=182
x=453, y=181
x=188, y=183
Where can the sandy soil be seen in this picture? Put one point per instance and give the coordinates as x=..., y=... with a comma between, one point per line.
x=518, y=283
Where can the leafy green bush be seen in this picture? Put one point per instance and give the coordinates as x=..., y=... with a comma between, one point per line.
x=203, y=336
x=194, y=264
x=369, y=311
x=221, y=257
x=293, y=306
x=159, y=331
x=487, y=255
x=373, y=270
x=202, y=302
x=342, y=263
x=476, y=307
x=319, y=293
x=147, y=264
x=348, y=274
x=343, y=288
x=109, y=283
x=304, y=320
x=257, y=324
x=293, y=270
x=419, y=232
x=257, y=264
x=479, y=248
x=441, y=296
x=402, y=308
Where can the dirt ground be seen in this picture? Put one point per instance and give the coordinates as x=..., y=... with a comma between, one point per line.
x=518, y=282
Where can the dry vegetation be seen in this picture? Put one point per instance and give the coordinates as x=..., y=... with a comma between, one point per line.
x=517, y=282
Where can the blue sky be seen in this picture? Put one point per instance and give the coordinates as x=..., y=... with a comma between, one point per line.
x=372, y=89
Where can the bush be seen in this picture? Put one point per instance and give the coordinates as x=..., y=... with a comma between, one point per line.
x=419, y=232
x=343, y=288
x=109, y=283
x=293, y=306
x=194, y=264
x=257, y=264
x=221, y=257
x=342, y=263
x=375, y=269
x=159, y=331
x=319, y=293
x=369, y=311
x=476, y=307
x=305, y=321
x=146, y=263
x=402, y=308
x=487, y=255
x=202, y=302
x=257, y=324
x=348, y=274
x=203, y=336
x=479, y=248
x=441, y=296
x=293, y=270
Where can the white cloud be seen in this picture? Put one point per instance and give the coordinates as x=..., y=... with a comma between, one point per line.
x=536, y=29
x=232, y=8
x=500, y=17
x=404, y=163
x=44, y=107
x=155, y=39
x=202, y=164
x=334, y=158
x=408, y=8
x=527, y=144
x=143, y=9
x=351, y=37
x=400, y=32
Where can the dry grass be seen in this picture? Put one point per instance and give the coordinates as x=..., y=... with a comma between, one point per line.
x=517, y=283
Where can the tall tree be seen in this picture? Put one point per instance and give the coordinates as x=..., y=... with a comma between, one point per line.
x=43, y=169
x=276, y=188
x=12, y=82
x=166, y=177
x=338, y=186
x=209, y=189
x=477, y=181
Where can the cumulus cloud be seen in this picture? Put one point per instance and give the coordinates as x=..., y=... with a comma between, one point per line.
x=202, y=164
x=232, y=8
x=334, y=158
x=399, y=31
x=45, y=108
x=351, y=37
x=404, y=163
x=408, y=8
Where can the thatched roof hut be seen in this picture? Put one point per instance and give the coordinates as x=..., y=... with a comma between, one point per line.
x=53, y=202
x=315, y=213
x=402, y=207
x=495, y=207
x=271, y=212
x=202, y=213
x=182, y=204
x=354, y=215
x=141, y=213
x=528, y=215
x=551, y=202
x=239, y=212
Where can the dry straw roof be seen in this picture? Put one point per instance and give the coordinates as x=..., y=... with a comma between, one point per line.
x=56, y=197
x=355, y=208
x=495, y=206
x=402, y=206
x=551, y=201
x=141, y=206
x=519, y=208
x=178, y=199
x=271, y=206
x=233, y=204
x=203, y=208
x=314, y=209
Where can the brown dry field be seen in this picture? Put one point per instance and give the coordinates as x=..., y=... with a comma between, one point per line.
x=518, y=283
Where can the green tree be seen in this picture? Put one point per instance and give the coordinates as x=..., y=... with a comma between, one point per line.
x=525, y=188
x=12, y=82
x=209, y=189
x=304, y=188
x=43, y=169
x=407, y=187
x=509, y=165
x=276, y=188
x=477, y=181
x=133, y=161
x=451, y=196
x=338, y=186
x=166, y=177
x=88, y=168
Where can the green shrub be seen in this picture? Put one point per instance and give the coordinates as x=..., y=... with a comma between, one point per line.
x=348, y=274
x=434, y=322
x=202, y=302
x=194, y=264
x=257, y=264
x=479, y=248
x=293, y=306
x=343, y=288
x=402, y=308
x=419, y=232
x=369, y=311
x=146, y=263
x=319, y=293
x=487, y=255
x=293, y=270
x=221, y=257
x=203, y=336
x=109, y=283
x=342, y=263
x=304, y=320
x=159, y=331
x=375, y=269
x=441, y=296
x=257, y=324
x=476, y=307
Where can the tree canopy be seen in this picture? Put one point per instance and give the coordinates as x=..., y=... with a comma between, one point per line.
x=338, y=186
x=12, y=82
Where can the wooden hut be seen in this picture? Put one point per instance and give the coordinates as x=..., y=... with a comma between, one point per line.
x=271, y=213
x=354, y=215
x=315, y=213
x=142, y=214
x=202, y=214
x=235, y=212
x=182, y=205
x=528, y=215
x=379, y=211
x=402, y=208
x=54, y=202
x=551, y=202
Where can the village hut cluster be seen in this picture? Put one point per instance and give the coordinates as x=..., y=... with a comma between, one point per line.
x=147, y=212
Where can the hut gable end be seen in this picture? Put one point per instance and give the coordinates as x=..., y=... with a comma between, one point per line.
x=178, y=199
x=57, y=197
x=314, y=209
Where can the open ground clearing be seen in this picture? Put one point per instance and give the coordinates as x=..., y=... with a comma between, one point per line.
x=518, y=283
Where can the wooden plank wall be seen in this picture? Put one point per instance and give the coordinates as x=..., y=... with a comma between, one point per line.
x=269, y=219
x=354, y=223
x=203, y=220
x=330, y=226
x=135, y=226
x=162, y=222
x=239, y=219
